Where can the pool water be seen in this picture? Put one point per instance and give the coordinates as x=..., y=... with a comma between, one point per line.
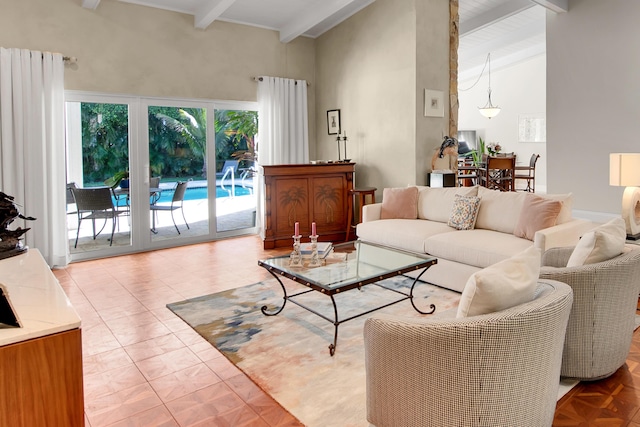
x=198, y=193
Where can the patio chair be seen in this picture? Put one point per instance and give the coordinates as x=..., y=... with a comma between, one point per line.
x=95, y=203
x=176, y=203
x=70, y=199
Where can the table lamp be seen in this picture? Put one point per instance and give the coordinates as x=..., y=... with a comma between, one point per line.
x=624, y=170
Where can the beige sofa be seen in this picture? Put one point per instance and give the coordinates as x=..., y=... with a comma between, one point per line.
x=460, y=253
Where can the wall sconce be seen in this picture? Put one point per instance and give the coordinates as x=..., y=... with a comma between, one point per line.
x=489, y=110
x=624, y=170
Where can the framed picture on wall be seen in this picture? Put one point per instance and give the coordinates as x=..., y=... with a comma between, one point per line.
x=433, y=103
x=333, y=122
x=532, y=128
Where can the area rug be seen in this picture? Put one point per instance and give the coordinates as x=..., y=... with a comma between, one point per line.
x=287, y=355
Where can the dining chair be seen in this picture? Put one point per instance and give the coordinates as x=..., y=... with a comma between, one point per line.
x=498, y=173
x=95, y=203
x=176, y=203
x=528, y=173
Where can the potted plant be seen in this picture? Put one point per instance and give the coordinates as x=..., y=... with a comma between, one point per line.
x=479, y=153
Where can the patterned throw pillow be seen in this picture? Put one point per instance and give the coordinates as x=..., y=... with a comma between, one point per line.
x=464, y=212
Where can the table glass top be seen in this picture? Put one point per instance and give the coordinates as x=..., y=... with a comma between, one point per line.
x=351, y=264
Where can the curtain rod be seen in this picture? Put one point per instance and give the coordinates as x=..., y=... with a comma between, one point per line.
x=68, y=59
x=259, y=79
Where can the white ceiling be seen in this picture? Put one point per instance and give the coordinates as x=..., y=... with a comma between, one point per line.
x=512, y=30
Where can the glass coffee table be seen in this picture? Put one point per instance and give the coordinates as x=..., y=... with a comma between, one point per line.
x=350, y=266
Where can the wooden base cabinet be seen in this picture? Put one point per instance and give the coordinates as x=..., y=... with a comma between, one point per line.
x=306, y=194
x=41, y=382
x=40, y=361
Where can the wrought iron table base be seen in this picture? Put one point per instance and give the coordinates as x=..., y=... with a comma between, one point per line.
x=335, y=321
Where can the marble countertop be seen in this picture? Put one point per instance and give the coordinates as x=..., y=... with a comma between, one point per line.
x=40, y=303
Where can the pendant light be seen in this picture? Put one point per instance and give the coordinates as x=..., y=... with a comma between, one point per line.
x=489, y=110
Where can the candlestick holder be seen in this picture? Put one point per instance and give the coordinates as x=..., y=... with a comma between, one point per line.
x=344, y=139
x=315, y=259
x=295, y=259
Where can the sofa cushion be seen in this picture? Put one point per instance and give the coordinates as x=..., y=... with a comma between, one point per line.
x=603, y=243
x=499, y=210
x=464, y=212
x=566, y=213
x=537, y=213
x=479, y=248
x=399, y=203
x=503, y=285
x=407, y=234
x=435, y=204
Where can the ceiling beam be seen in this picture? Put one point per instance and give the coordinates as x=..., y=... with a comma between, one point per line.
x=557, y=6
x=311, y=17
x=210, y=11
x=90, y=4
x=494, y=15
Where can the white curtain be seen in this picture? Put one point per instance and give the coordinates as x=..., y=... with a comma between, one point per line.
x=283, y=127
x=32, y=160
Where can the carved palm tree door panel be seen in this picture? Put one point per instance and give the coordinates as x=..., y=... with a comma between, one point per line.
x=306, y=194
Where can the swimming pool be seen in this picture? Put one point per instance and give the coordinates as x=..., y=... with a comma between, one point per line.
x=198, y=193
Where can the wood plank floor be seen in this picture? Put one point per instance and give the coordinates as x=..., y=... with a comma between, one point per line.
x=145, y=367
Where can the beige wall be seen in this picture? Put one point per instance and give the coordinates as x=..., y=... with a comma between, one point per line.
x=373, y=67
x=592, y=98
x=128, y=49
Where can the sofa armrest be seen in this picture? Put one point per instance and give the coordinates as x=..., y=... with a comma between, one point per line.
x=566, y=234
x=557, y=257
x=371, y=212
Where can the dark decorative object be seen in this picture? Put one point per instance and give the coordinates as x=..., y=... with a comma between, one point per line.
x=10, y=241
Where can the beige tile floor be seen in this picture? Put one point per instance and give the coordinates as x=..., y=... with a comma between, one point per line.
x=143, y=366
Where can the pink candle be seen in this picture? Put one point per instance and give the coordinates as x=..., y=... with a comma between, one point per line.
x=313, y=229
x=297, y=229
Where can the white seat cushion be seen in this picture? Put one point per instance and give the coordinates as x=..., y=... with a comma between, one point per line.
x=479, y=248
x=407, y=234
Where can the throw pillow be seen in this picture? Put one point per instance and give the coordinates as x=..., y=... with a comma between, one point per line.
x=537, y=213
x=600, y=244
x=464, y=212
x=401, y=203
x=502, y=285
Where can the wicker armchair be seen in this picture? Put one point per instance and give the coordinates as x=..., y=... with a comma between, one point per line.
x=602, y=320
x=498, y=369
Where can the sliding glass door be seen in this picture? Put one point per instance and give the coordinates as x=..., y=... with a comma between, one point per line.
x=178, y=184
x=178, y=171
x=98, y=147
x=236, y=154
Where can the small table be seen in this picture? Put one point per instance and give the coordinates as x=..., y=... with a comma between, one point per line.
x=361, y=193
x=363, y=264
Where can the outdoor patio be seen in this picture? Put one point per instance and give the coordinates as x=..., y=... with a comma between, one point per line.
x=232, y=213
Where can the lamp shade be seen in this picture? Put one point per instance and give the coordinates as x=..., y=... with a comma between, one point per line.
x=624, y=169
x=489, y=112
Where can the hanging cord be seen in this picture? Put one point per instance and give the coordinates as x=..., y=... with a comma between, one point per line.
x=486, y=61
